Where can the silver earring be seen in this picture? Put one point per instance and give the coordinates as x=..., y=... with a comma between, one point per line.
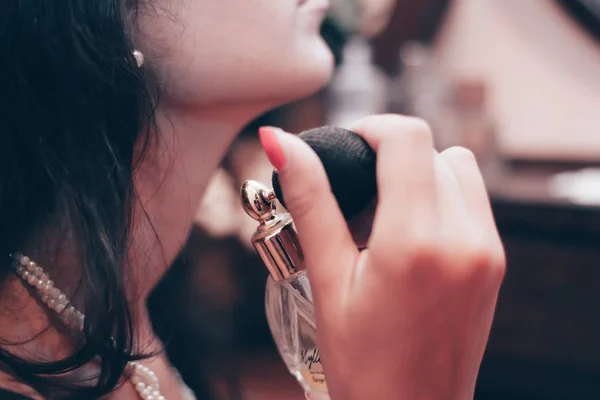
x=139, y=58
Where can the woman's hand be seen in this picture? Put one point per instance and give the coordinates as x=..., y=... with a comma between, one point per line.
x=409, y=317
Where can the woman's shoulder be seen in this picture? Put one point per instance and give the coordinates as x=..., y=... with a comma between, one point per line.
x=6, y=395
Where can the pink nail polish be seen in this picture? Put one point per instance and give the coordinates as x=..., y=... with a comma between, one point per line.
x=270, y=142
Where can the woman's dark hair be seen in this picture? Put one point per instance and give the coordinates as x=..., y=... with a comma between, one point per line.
x=75, y=118
x=586, y=13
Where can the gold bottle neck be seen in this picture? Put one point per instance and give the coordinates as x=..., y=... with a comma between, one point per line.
x=275, y=239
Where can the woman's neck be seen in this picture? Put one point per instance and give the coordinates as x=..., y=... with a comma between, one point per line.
x=173, y=180
x=170, y=186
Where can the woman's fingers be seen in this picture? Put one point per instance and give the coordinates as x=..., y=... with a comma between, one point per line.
x=455, y=222
x=407, y=210
x=474, y=194
x=425, y=276
x=321, y=227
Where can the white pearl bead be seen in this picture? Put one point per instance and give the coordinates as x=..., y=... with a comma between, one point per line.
x=68, y=322
x=57, y=301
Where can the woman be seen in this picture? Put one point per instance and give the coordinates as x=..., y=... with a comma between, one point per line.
x=114, y=114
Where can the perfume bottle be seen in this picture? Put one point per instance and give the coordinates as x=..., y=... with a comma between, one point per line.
x=288, y=298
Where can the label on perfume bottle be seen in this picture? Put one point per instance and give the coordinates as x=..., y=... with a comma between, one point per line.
x=312, y=370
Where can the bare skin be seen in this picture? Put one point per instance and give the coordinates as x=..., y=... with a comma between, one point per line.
x=224, y=62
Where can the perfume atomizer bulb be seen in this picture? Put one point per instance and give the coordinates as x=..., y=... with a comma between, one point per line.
x=275, y=239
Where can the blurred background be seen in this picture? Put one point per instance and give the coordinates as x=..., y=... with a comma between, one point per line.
x=517, y=82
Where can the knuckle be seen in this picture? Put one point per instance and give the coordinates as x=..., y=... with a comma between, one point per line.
x=419, y=125
x=419, y=131
x=390, y=127
x=423, y=251
x=498, y=274
x=461, y=265
x=478, y=258
x=301, y=203
x=478, y=263
x=390, y=251
x=300, y=206
x=460, y=153
x=499, y=263
x=414, y=126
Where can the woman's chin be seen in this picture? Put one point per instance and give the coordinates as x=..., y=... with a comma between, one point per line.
x=310, y=74
x=261, y=85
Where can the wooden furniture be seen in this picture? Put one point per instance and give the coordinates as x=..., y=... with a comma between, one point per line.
x=545, y=340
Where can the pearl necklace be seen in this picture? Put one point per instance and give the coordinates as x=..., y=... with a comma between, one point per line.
x=143, y=378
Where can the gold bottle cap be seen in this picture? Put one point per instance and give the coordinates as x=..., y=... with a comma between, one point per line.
x=275, y=239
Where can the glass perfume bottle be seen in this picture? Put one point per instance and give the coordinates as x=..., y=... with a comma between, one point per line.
x=288, y=298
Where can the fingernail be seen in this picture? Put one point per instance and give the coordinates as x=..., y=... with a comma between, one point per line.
x=270, y=141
